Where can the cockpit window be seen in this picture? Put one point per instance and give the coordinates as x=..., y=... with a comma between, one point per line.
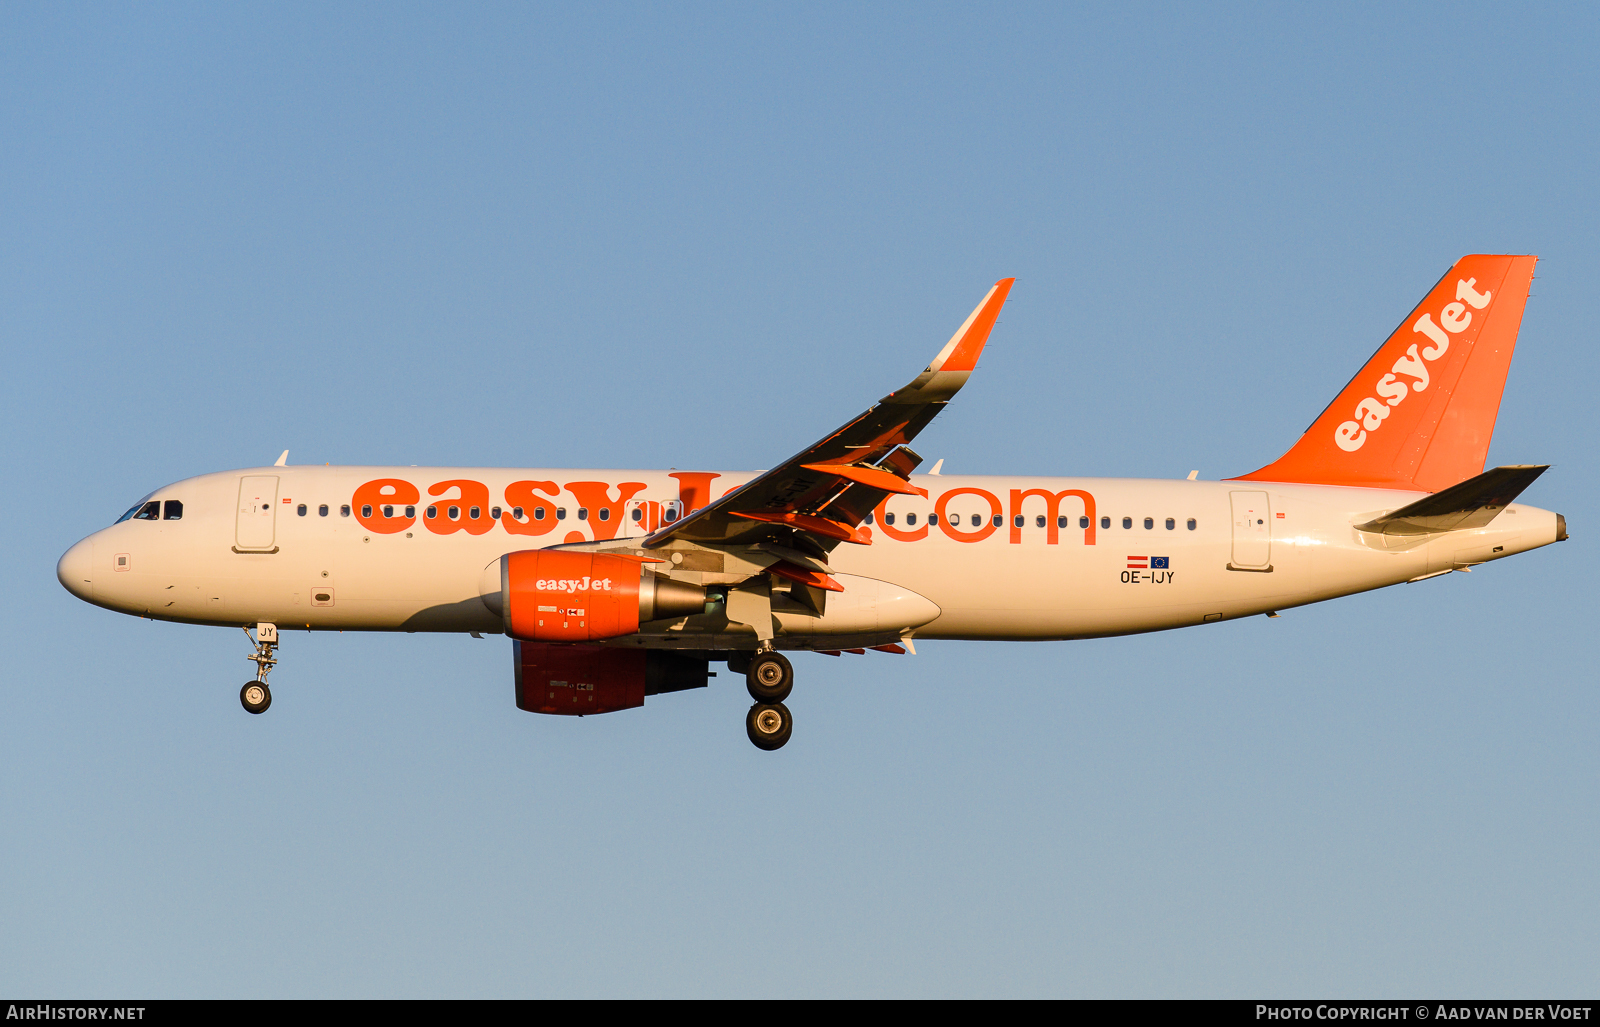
x=172, y=510
x=134, y=509
x=151, y=511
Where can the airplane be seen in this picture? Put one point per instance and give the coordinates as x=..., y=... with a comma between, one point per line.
x=618, y=585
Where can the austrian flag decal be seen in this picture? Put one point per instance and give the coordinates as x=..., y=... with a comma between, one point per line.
x=1148, y=570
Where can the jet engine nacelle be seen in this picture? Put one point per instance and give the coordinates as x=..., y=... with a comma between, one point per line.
x=577, y=680
x=562, y=595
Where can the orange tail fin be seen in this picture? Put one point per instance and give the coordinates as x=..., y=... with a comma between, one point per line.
x=1421, y=413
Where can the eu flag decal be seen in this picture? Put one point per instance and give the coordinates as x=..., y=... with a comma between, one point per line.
x=1158, y=563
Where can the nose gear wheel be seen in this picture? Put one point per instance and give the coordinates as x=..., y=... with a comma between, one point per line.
x=255, y=696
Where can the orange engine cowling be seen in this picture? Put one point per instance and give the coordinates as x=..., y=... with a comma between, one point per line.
x=577, y=680
x=556, y=595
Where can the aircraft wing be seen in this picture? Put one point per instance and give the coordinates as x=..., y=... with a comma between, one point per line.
x=1469, y=504
x=824, y=492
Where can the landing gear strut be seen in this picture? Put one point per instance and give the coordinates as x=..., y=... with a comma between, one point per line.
x=255, y=696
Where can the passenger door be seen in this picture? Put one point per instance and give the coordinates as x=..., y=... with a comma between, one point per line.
x=1252, y=531
x=258, y=510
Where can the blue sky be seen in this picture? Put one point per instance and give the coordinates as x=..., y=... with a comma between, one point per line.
x=702, y=236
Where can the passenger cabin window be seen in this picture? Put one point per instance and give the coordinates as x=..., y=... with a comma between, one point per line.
x=1127, y=522
x=494, y=513
x=605, y=513
x=1105, y=522
x=977, y=520
x=1149, y=522
x=1191, y=524
x=998, y=520
x=431, y=512
x=672, y=513
x=1083, y=522
x=388, y=511
x=344, y=511
x=911, y=518
x=300, y=510
x=454, y=513
x=561, y=513
x=516, y=512
x=411, y=511
x=538, y=514
x=322, y=511
x=1016, y=522
x=366, y=509
x=583, y=513
x=869, y=519
x=476, y=513
x=955, y=520
x=1171, y=524
x=638, y=514
x=1038, y=522
x=173, y=510
x=888, y=518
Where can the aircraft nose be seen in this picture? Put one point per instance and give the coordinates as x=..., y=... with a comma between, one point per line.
x=75, y=570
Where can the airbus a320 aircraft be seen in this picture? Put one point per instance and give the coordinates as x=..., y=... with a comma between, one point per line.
x=618, y=585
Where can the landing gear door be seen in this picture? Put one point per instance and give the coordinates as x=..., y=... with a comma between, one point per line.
x=258, y=510
x=1252, y=531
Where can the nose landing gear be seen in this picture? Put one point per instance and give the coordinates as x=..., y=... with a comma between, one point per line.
x=255, y=696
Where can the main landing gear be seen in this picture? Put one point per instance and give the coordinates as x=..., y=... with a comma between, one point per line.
x=769, y=725
x=770, y=678
x=255, y=696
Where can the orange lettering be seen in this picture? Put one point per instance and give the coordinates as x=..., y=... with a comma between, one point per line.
x=474, y=496
x=1052, y=530
x=370, y=499
x=694, y=489
x=605, y=516
x=894, y=532
x=968, y=536
x=520, y=493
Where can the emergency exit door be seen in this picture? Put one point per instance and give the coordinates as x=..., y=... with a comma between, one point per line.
x=1252, y=532
x=258, y=512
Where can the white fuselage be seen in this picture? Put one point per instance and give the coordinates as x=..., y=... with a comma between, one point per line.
x=1156, y=554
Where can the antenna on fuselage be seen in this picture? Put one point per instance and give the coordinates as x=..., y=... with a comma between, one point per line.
x=283, y=460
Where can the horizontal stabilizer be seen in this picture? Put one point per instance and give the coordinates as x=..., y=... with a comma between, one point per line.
x=1471, y=504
